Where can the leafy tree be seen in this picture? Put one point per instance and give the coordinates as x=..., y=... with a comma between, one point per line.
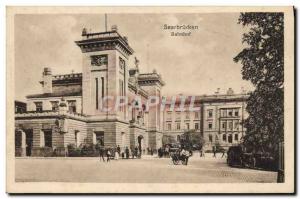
x=190, y=138
x=262, y=63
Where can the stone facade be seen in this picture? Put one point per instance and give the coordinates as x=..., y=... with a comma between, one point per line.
x=70, y=109
x=217, y=118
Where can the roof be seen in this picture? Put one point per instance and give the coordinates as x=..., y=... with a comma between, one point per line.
x=66, y=78
x=56, y=94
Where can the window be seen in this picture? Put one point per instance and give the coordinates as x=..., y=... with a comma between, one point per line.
x=223, y=125
x=230, y=113
x=98, y=60
x=187, y=126
x=178, y=126
x=230, y=125
x=236, y=125
x=236, y=113
x=72, y=106
x=76, y=138
x=38, y=106
x=196, y=126
x=236, y=137
x=210, y=113
x=102, y=87
x=210, y=137
x=230, y=138
x=187, y=115
x=48, y=138
x=223, y=113
x=169, y=126
x=97, y=97
x=224, y=137
x=209, y=125
x=196, y=115
x=54, y=105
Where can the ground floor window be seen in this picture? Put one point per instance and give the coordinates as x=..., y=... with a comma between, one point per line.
x=236, y=137
x=230, y=138
x=48, y=138
x=224, y=137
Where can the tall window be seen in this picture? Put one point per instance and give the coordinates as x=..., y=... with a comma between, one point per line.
x=76, y=138
x=236, y=125
x=230, y=113
x=38, y=106
x=48, y=138
x=72, y=106
x=102, y=87
x=187, y=126
x=209, y=125
x=230, y=138
x=224, y=137
x=196, y=126
x=97, y=97
x=236, y=137
x=223, y=125
x=178, y=126
x=54, y=105
x=223, y=113
x=236, y=113
x=230, y=125
x=210, y=113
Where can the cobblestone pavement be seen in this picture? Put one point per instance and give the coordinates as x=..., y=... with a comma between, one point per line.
x=146, y=170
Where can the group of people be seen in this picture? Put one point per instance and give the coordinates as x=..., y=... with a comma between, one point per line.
x=116, y=153
x=163, y=152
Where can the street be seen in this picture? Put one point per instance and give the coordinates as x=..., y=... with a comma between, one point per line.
x=146, y=170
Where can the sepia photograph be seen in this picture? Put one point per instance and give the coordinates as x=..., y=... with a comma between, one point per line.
x=150, y=100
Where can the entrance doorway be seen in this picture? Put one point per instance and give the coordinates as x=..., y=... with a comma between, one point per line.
x=29, y=142
x=140, y=139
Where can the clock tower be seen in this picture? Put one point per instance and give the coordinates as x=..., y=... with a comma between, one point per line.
x=104, y=73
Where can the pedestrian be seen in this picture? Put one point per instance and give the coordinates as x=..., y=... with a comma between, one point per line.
x=119, y=150
x=116, y=154
x=214, y=151
x=101, y=154
x=108, y=154
x=223, y=153
x=127, y=152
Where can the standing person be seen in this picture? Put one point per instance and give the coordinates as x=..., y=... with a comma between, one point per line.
x=108, y=154
x=117, y=153
x=127, y=152
x=101, y=154
x=119, y=150
x=214, y=151
x=223, y=153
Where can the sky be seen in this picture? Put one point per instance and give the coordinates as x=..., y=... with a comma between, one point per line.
x=191, y=65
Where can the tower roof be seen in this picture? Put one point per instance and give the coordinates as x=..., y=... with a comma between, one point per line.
x=110, y=40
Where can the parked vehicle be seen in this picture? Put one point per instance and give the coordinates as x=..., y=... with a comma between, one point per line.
x=237, y=158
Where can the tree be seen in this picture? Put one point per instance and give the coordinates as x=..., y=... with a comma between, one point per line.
x=190, y=138
x=262, y=64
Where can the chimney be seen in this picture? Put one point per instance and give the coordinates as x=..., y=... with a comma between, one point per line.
x=114, y=28
x=47, y=79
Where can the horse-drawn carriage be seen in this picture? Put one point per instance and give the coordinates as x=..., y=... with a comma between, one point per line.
x=178, y=157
